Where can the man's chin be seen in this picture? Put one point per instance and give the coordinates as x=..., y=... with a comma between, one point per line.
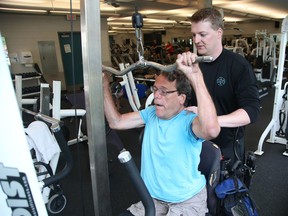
x=159, y=114
x=201, y=51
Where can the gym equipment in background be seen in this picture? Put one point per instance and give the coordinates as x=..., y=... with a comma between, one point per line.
x=274, y=124
x=46, y=156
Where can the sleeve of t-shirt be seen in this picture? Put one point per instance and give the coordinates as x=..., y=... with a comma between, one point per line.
x=146, y=113
x=189, y=120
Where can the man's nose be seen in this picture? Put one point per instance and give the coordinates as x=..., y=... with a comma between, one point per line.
x=156, y=93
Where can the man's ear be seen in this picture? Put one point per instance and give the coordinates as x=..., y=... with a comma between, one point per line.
x=182, y=98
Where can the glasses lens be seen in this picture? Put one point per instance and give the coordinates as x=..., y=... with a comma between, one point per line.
x=162, y=92
x=159, y=90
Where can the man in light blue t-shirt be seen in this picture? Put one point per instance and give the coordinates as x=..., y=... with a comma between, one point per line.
x=172, y=139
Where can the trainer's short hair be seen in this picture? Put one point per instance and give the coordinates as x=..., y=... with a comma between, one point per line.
x=211, y=15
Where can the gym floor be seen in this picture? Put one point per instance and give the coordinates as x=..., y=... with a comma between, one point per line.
x=269, y=186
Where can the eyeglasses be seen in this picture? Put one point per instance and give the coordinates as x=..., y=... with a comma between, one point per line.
x=162, y=91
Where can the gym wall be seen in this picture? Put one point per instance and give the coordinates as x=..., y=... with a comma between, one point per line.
x=22, y=33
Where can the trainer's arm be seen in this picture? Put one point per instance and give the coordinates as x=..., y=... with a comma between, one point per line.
x=115, y=119
x=237, y=118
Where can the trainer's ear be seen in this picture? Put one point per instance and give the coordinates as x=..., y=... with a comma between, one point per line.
x=220, y=32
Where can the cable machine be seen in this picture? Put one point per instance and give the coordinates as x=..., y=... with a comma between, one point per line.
x=265, y=53
x=92, y=68
x=92, y=71
x=278, y=107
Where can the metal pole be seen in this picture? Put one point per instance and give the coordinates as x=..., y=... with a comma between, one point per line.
x=92, y=71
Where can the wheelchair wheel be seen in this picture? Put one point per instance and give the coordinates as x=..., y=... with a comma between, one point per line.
x=56, y=203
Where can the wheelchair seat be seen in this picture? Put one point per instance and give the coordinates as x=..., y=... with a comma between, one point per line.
x=210, y=158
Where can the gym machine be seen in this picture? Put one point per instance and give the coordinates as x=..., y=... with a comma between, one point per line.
x=17, y=175
x=25, y=165
x=59, y=113
x=124, y=156
x=278, y=107
x=46, y=166
x=265, y=55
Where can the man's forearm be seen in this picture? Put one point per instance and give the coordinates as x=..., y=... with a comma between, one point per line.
x=111, y=113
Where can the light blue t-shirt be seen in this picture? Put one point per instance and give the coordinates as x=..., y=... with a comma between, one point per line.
x=170, y=157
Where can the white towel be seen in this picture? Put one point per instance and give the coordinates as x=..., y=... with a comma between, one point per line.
x=40, y=138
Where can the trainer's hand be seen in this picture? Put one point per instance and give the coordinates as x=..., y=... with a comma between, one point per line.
x=193, y=109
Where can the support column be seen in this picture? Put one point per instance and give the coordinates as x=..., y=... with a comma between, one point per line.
x=92, y=72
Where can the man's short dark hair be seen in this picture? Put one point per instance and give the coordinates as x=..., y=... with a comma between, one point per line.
x=211, y=15
x=183, y=85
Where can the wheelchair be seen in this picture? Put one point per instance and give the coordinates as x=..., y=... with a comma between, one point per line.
x=212, y=166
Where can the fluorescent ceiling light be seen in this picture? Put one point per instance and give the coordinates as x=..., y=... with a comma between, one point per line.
x=22, y=10
x=147, y=12
x=233, y=19
x=130, y=24
x=64, y=12
x=148, y=20
x=145, y=20
x=119, y=19
x=132, y=32
x=49, y=4
x=131, y=29
x=185, y=22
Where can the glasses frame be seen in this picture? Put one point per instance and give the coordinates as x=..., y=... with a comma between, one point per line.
x=161, y=91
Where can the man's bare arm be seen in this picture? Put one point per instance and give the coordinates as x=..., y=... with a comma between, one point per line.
x=115, y=119
x=206, y=124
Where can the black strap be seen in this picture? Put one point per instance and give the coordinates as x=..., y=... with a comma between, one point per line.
x=236, y=143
